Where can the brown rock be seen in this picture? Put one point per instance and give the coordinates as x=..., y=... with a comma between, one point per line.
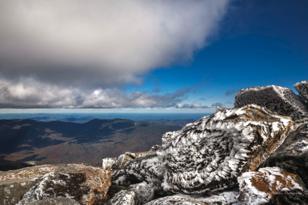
x=302, y=88
x=292, y=155
x=260, y=187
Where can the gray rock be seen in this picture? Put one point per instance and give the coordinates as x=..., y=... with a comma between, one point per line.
x=147, y=168
x=208, y=155
x=14, y=184
x=55, y=201
x=275, y=98
x=136, y=194
x=224, y=198
x=51, y=185
x=144, y=192
x=177, y=200
x=302, y=88
x=34, y=185
x=289, y=197
x=124, y=197
x=123, y=160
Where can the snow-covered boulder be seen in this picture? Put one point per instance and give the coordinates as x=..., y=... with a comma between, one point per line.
x=261, y=187
x=275, y=98
x=208, y=155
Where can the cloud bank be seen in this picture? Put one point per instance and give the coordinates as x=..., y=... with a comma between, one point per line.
x=31, y=94
x=96, y=44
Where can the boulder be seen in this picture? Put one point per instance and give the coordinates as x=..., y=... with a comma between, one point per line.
x=268, y=184
x=51, y=183
x=124, y=197
x=177, y=200
x=135, y=194
x=145, y=167
x=287, y=197
x=224, y=198
x=275, y=98
x=55, y=201
x=302, y=88
x=14, y=184
x=292, y=155
x=208, y=155
x=123, y=160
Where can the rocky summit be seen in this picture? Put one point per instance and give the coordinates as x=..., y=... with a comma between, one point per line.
x=255, y=153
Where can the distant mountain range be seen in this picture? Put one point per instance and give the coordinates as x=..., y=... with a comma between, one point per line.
x=25, y=142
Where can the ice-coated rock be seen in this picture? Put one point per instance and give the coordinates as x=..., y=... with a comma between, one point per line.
x=263, y=186
x=135, y=194
x=224, y=198
x=34, y=185
x=55, y=201
x=122, y=161
x=141, y=174
x=14, y=184
x=146, y=167
x=287, y=197
x=208, y=155
x=292, y=155
x=275, y=98
x=144, y=192
x=302, y=88
x=177, y=200
x=124, y=197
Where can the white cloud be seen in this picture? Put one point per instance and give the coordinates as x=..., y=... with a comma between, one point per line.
x=29, y=93
x=100, y=42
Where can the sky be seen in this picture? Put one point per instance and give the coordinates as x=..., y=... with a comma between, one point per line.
x=161, y=54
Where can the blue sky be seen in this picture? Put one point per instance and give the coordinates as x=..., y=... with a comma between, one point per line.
x=162, y=54
x=259, y=42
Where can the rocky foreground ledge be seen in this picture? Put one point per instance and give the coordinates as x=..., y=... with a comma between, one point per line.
x=255, y=153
